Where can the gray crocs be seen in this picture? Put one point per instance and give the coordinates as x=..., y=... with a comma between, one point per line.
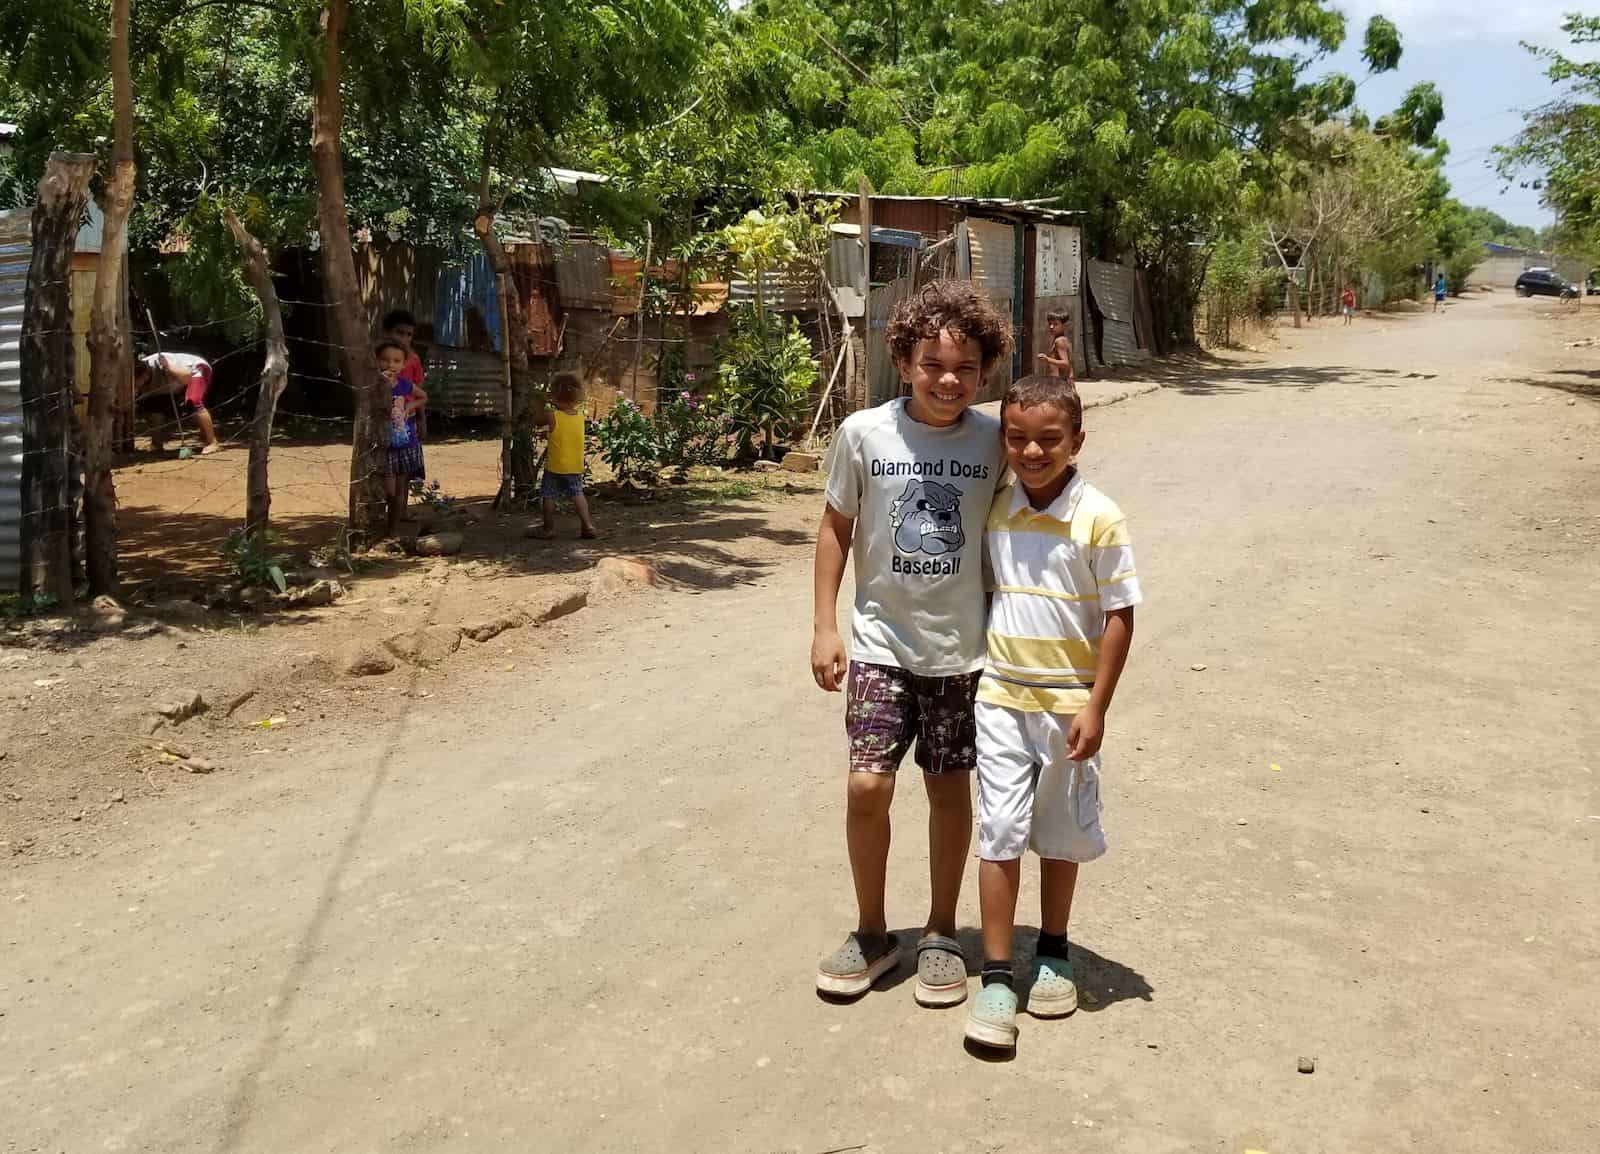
x=941, y=972
x=854, y=966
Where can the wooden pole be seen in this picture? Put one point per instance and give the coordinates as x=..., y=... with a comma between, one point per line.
x=638, y=341
x=817, y=420
x=274, y=377
x=110, y=338
x=865, y=192
x=47, y=385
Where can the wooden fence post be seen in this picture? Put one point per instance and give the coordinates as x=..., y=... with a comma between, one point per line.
x=48, y=392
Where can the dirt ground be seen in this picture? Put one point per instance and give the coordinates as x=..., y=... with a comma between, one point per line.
x=566, y=891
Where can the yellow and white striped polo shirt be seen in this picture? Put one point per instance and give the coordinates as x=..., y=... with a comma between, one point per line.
x=1055, y=573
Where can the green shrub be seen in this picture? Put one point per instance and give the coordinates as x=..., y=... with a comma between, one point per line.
x=692, y=432
x=253, y=560
x=765, y=377
x=628, y=441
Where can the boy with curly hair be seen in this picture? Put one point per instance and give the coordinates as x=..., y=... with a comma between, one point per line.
x=909, y=486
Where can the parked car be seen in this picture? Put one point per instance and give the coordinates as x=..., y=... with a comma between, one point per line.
x=1543, y=282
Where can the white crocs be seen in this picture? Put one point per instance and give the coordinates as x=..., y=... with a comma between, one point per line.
x=992, y=1021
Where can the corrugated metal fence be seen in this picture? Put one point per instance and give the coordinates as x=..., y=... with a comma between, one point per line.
x=16, y=232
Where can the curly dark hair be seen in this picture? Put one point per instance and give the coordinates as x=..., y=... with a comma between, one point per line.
x=1039, y=389
x=956, y=305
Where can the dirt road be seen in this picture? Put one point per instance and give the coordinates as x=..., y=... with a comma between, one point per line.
x=578, y=908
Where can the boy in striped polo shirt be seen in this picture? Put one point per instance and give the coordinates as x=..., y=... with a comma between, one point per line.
x=1060, y=625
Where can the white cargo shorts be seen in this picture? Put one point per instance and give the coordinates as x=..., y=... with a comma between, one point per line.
x=1030, y=793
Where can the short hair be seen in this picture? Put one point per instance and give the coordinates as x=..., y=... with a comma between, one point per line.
x=953, y=305
x=1057, y=315
x=396, y=317
x=566, y=385
x=1040, y=389
x=388, y=343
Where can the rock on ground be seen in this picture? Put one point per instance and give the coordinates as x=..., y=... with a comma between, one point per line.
x=614, y=576
x=183, y=706
x=440, y=545
x=106, y=614
x=316, y=595
x=366, y=659
x=798, y=462
x=425, y=647
x=494, y=626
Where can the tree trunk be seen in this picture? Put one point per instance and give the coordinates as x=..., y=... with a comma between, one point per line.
x=110, y=342
x=274, y=377
x=518, y=431
x=47, y=384
x=369, y=392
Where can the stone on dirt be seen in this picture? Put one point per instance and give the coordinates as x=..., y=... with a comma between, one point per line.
x=182, y=707
x=425, y=647
x=316, y=595
x=199, y=765
x=180, y=608
x=767, y=466
x=106, y=614
x=798, y=462
x=1307, y=1065
x=614, y=576
x=493, y=627
x=550, y=604
x=439, y=545
x=366, y=659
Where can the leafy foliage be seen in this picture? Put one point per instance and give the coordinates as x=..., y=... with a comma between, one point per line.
x=690, y=431
x=629, y=442
x=765, y=377
x=1558, y=150
x=1238, y=287
x=254, y=560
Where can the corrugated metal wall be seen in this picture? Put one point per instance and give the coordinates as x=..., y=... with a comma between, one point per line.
x=583, y=276
x=986, y=254
x=466, y=383
x=1113, y=288
x=16, y=232
x=466, y=312
x=1060, y=260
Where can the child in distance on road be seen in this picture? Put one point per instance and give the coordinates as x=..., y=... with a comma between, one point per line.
x=909, y=484
x=563, y=463
x=1060, y=625
x=1059, y=358
x=404, y=460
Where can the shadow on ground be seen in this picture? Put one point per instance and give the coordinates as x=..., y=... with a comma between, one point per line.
x=1102, y=982
x=686, y=533
x=1579, y=382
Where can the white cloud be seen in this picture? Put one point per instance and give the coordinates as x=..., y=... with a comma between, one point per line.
x=1443, y=21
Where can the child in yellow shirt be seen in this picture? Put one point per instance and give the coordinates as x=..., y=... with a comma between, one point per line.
x=563, y=463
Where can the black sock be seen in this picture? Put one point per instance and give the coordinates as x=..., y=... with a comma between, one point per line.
x=1000, y=971
x=1051, y=946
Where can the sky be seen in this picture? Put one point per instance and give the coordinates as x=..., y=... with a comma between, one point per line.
x=1471, y=49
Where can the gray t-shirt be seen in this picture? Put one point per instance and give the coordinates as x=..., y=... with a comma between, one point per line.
x=920, y=496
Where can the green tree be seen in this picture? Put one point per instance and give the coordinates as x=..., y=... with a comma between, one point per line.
x=1558, y=149
x=518, y=75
